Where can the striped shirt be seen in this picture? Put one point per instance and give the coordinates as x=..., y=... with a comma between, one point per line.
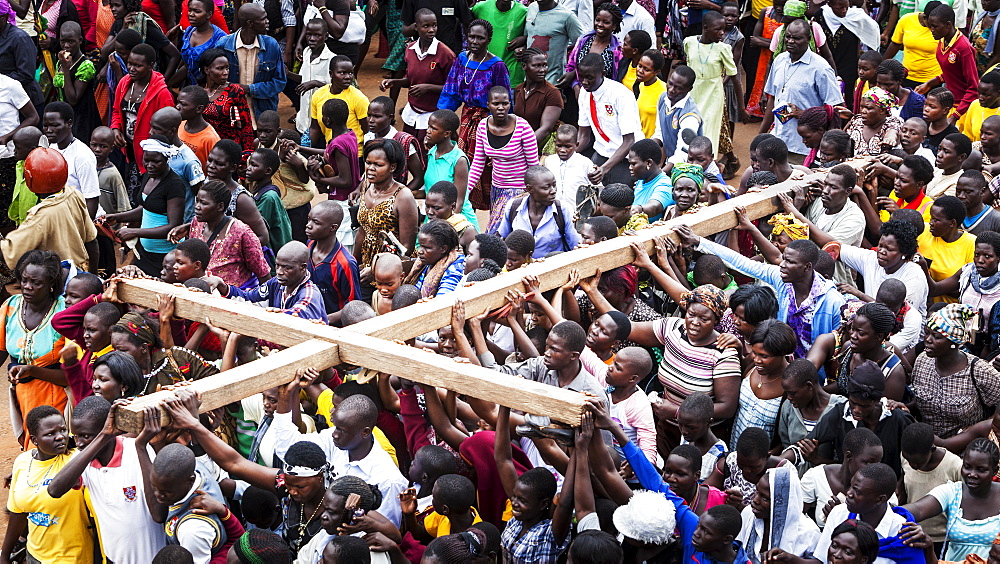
x=303, y=301
x=687, y=368
x=336, y=277
x=510, y=161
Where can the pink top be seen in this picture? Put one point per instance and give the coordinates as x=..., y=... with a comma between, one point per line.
x=510, y=161
x=634, y=414
x=236, y=252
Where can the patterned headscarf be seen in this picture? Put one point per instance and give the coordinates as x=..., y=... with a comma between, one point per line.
x=138, y=326
x=153, y=145
x=794, y=9
x=786, y=223
x=953, y=322
x=258, y=546
x=707, y=295
x=882, y=99
x=688, y=170
x=849, y=311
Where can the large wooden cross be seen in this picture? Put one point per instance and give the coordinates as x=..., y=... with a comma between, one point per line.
x=376, y=343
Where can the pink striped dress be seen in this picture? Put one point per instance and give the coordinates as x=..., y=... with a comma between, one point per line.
x=509, y=165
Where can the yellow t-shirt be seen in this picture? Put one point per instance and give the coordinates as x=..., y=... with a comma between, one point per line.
x=923, y=206
x=946, y=258
x=629, y=79
x=649, y=96
x=438, y=525
x=357, y=110
x=971, y=124
x=58, y=529
x=919, y=48
x=324, y=407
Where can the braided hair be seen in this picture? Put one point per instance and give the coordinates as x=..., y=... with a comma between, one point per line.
x=616, y=14
x=458, y=548
x=881, y=318
x=371, y=497
x=819, y=118
x=485, y=25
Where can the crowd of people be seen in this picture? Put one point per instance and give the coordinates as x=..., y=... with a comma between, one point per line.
x=818, y=385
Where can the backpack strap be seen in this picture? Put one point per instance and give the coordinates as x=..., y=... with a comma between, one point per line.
x=512, y=210
x=560, y=223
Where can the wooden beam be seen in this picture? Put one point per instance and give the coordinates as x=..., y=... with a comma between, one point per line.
x=429, y=368
x=240, y=317
x=490, y=294
x=241, y=382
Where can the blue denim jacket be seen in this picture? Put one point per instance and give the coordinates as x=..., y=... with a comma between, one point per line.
x=270, y=77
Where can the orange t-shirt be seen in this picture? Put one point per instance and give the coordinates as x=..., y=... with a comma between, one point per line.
x=201, y=143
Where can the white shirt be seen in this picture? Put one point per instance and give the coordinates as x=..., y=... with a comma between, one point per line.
x=637, y=17
x=12, y=99
x=889, y=526
x=253, y=410
x=312, y=551
x=909, y=335
x=584, y=10
x=377, y=468
x=312, y=70
x=686, y=121
x=617, y=114
x=410, y=116
x=82, y=170
x=866, y=263
x=127, y=531
x=370, y=136
x=846, y=227
x=197, y=535
x=570, y=175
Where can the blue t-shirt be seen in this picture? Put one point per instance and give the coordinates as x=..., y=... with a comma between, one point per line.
x=658, y=188
x=186, y=165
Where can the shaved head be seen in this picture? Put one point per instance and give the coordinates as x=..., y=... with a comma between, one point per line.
x=30, y=135
x=293, y=251
x=250, y=10
x=330, y=210
x=388, y=264
x=167, y=118
x=174, y=461
x=636, y=359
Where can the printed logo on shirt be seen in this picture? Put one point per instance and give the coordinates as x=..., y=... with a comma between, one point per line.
x=447, y=11
x=130, y=493
x=434, y=65
x=952, y=57
x=171, y=526
x=39, y=519
x=609, y=109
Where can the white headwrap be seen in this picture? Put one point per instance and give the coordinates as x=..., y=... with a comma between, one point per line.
x=857, y=22
x=790, y=529
x=157, y=146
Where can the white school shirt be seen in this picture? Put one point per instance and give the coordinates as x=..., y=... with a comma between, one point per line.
x=377, y=468
x=617, y=113
x=127, y=531
x=82, y=170
x=312, y=70
x=570, y=175
x=889, y=526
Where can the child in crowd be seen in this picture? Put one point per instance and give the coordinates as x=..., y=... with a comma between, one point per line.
x=912, y=135
x=381, y=122
x=194, y=131
x=340, y=88
x=834, y=149
x=86, y=323
x=636, y=42
x=938, y=106
x=441, y=203
x=445, y=161
x=926, y=467
x=520, y=248
x=312, y=76
x=114, y=196
x=262, y=165
x=694, y=420
x=387, y=268
x=297, y=188
x=569, y=167
x=733, y=85
x=653, y=192
x=596, y=229
x=867, y=74
x=453, y=509
x=191, y=259
x=648, y=88
x=338, y=171
x=332, y=267
x=701, y=153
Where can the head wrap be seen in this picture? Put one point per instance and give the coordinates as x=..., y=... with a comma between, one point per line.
x=849, y=310
x=882, y=99
x=687, y=170
x=866, y=380
x=786, y=223
x=260, y=546
x=138, y=326
x=707, y=295
x=648, y=517
x=794, y=9
x=953, y=321
x=790, y=529
x=156, y=146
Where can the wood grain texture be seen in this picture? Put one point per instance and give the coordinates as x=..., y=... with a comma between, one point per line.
x=241, y=382
x=490, y=294
x=428, y=368
x=236, y=316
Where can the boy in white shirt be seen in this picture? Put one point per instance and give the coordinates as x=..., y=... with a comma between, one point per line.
x=569, y=167
x=609, y=112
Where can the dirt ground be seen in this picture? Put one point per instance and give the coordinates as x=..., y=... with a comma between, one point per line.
x=368, y=79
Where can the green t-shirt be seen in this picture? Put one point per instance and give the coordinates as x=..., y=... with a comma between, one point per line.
x=279, y=227
x=506, y=26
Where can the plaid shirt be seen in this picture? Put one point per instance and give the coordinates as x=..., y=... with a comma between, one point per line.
x=536, y=546
x=303, y=301
x=950, y=403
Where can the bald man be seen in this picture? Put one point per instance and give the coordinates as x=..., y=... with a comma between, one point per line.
x=263, y=76
x=291, y=291
x=166, y=121
x=333, y=268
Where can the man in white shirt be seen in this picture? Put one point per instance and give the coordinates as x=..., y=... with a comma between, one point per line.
x=349, y=446
x=867, y=500
x=57, y=124
x=635, y=16
x=609, y=112
x=108, y=466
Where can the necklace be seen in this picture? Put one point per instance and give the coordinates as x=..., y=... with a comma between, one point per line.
x=302, y=515
x=44, y=481
x=215, y=92
x=761, y=381
x=465, y=75
x=131, y=91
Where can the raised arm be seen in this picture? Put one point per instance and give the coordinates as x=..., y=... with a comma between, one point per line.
x=503, y=453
